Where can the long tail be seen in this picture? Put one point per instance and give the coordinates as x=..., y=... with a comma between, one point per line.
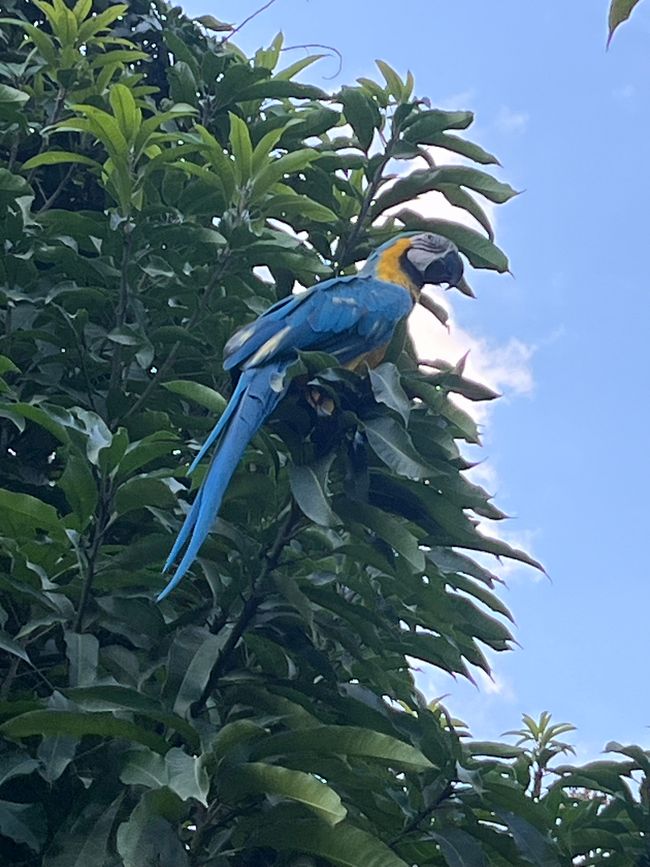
x=256, y=396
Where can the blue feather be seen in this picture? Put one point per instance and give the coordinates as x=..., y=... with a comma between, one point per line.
x=256, y=399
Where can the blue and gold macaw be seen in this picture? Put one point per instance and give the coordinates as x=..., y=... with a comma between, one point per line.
x=351, y=318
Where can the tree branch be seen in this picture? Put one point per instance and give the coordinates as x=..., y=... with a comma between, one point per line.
x=246, y=20
x=101, y=524
x=171, y=357
x=251, y=605
x=368, y=198
x=52, y=198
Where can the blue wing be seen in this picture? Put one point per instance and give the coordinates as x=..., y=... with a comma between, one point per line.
x=346, y=317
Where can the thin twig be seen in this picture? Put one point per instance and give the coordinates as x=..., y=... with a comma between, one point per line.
x=101, y=525
x=9, y=679
x=81, y=349
x=368, y=198
x=120, y=313
x=425, y=813
x=251, y=605
x=51, y=199
x=329, y=48
x=246, y=20
x=13, y=153
x=171, y=355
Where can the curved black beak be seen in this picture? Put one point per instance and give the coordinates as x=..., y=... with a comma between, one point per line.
x=448, y=269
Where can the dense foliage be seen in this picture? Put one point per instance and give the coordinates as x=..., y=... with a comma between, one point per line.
x=266, y=712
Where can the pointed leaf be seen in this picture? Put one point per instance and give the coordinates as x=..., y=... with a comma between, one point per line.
x=309, y=488
x=23, y=823
x=274, y=781
x=346, y=740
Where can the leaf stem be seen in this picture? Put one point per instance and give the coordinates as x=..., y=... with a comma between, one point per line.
x=171, y=357
x=371, y=192
x=269, y=563
x=102, y=521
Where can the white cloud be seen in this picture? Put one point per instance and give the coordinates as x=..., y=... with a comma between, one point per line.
x=626, y=95
x=509, y=121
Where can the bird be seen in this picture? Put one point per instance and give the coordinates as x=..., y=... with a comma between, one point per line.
x=351, y=318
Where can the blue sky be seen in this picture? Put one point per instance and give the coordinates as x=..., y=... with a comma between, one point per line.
x=567, y=447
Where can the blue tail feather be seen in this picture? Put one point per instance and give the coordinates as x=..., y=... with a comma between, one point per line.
x=251, y=404
x=233, y=403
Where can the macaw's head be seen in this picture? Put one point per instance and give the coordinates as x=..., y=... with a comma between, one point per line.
x=416, y=259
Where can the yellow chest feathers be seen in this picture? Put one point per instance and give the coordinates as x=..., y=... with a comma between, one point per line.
x=390, y=267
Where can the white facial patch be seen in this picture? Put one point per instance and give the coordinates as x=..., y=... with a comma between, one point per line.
x=421, y=258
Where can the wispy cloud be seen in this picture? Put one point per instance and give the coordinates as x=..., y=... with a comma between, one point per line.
x=510, y=121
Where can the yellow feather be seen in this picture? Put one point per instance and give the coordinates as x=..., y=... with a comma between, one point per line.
x=390, y=267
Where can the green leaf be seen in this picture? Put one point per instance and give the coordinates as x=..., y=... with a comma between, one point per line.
x=288, y=164
x=423, y=128
x=127, y=114
x=52, y=158
x=12, y=186
x=391, y=443
x=96, y=431
x=222, y=164
x=309, y=488
x=121, y=698
x=273, y=781
x=15, y=765
x=459, y=848
x=433, y=307
x=394, y=83
x=140, y=453
x=242, y=148
x=55, y=754
x=192, y=655
x=82, y=650
x=480, y=182
x=201, y=394
x=142, y=491
x=459, y=198
x=54, y=722
x=9, y=96
x=288, y=73
x=361, y=113
x=212, y=23
x=388, y=528
x=346, y=846
x=86, y=842
x=78, y=484
x=345, y=740
x=10, y=646
x=105, y=129
x=533, y=845
x=102, y=21
x=464, y=147
x=619, y=11
x=427, y=180
x=24, y=823
x=23, y=514
x=185, y=775
x=144, y=768
x=293, y=207
x=148, y=837
x=277, y=88
x=387, y=388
